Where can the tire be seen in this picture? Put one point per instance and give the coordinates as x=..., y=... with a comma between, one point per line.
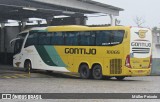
x=28, y=66
x=97, y=72
x=120, y=77
x=84, y=71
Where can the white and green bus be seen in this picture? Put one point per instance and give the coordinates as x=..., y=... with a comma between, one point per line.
x=116, y=51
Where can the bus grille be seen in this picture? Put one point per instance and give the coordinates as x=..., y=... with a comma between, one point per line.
x=140, y=50
x=115, y=66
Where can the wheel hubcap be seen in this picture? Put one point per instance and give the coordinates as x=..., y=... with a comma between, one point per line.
x=97, y=72
x=84, y=71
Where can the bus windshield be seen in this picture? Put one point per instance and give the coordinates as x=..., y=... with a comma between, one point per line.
x=19, y=43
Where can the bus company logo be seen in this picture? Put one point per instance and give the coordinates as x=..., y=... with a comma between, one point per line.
x=6, y=96
x=142, y=33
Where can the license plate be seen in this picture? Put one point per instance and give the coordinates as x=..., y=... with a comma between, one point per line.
x=140, y=71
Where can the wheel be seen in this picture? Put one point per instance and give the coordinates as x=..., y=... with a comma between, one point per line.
x=28, y=66
x=97, y=72
x=120, y=77
x=84, y=72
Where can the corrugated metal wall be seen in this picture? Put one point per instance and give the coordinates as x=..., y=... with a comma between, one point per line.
x=155, y=66
x=155, y=56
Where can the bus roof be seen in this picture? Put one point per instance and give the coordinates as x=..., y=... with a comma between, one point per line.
x=111, y=28
x=75, y=28
x=83, y=28
x=67, y=28
x=34, y=28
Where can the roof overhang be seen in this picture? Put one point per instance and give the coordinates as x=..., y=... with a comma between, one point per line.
x=23, y=9
x=84, y=6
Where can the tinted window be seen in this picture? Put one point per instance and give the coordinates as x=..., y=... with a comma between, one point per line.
x=117, y=37
x=44, y=38
x=71, y=38
x=57, y=38
x=103, y=38
x=86, y=38
x=19, y=43
x=83, y=38
x=32, y=39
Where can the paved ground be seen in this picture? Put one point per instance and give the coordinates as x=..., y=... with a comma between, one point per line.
x=17, y=81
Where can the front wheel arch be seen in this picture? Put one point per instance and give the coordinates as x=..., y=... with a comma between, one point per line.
x=83, y=64
x=27, y=63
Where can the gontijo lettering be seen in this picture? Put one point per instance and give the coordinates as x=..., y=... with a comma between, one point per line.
x=141, y=44
x=90, y=51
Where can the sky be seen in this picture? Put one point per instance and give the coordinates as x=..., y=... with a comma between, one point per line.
x=148, y=10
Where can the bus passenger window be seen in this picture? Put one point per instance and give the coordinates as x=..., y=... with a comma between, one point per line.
x=44, y=38
x=103, y=38
x=71, y=38
x=57, y=38
x=92, y=39
x=117, y=37
x=86, y=39
x=32, y=39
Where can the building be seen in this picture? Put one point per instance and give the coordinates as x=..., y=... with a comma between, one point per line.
x=22, y=10
x=156, y=54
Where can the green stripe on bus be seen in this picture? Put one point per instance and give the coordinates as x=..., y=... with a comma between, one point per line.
x=54, y=56
x=44, y=55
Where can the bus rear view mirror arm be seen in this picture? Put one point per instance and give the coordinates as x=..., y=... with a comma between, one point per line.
x=11, y=42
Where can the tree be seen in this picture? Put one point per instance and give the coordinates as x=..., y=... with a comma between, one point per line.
x=155, y=30
x=139, y=21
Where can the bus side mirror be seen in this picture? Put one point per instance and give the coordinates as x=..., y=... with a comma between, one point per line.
x=13, y=40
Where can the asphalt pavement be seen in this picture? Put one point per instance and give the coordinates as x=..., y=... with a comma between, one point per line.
x=13, y=80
